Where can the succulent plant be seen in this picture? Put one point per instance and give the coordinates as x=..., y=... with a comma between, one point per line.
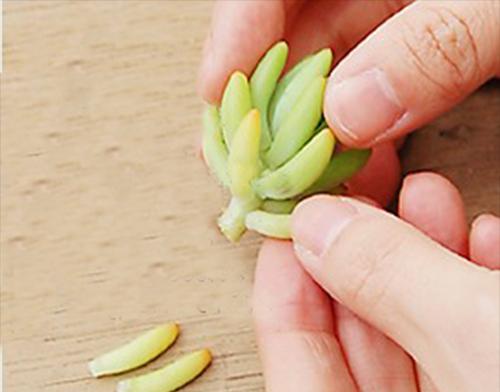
x=269, y=144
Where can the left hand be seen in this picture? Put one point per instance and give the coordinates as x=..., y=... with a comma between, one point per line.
x=310, y=343
x=428, y=56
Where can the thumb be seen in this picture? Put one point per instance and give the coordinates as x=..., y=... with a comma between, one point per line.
x=391, y=275
x=414, y=67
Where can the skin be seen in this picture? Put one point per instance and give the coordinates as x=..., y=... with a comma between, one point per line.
x=336, y=337
x=362, y=300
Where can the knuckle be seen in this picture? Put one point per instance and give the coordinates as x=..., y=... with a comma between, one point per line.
x=444, y=50
x=376, y=283
x=320, y=345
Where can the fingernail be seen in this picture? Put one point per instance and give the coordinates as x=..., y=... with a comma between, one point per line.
x=364, y=106
x=317, y=222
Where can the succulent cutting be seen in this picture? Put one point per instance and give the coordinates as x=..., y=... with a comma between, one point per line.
x=144, y=349
x=171, y=377
x=269, y=144
x=136, y=353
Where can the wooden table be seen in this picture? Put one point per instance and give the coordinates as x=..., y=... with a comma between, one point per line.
x=108, y=215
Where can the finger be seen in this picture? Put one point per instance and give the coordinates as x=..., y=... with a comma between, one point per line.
x=433, y=204
x=485, y=241
x=337, y=24
x=414, y=67
x=376, y=362
x=395, y=278
x=379, y=179
x=241, y=33
x=295, y=327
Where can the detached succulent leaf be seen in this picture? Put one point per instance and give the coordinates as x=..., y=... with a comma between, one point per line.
x=263, y=83
x=171, y=377
x=135, y=353
x=319, y=65
x=299, y=173
x=236, y=103
x=214, y=150
x=299, y=126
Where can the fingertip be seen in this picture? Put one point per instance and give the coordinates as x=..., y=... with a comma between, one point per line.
x=434, y=205
x=277, y=269
x=306, y=214
x=301, y=210
x=272, y=248
x=485, y=241
x=362, y=108
x=346, y=137
x=205, y=81
x=316, y=223
x=415, y=184
x=486, y=221
x=236, y=44
x=285, y=296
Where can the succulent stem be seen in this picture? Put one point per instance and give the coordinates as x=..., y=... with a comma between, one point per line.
x=232, y=221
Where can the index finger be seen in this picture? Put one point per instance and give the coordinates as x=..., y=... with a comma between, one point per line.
x=295, y=327
x=241, y=33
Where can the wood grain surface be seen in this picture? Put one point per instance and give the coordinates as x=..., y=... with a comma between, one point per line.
x=108, y=214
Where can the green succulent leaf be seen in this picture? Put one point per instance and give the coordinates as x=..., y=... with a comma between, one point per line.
x=268, y=224
x=279, y=206
x=299, y=126
x=263, y=83
x=283, y=84
x=214, y=150
x=236, y=103
x=300, y=172
x=243, y=161
x=340, y=169
x=319, y=65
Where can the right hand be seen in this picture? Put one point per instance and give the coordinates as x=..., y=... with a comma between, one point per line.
x=399, y=297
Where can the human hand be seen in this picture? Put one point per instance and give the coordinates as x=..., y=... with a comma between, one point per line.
x=437, y=308
x=416, y=65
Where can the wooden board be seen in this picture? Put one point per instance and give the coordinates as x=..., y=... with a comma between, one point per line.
x=108, y=214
